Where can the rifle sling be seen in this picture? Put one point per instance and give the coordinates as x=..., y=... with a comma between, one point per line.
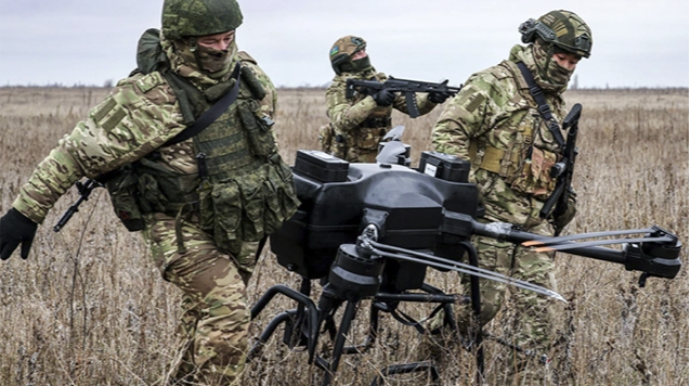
x=543, y=107
x=211, y=114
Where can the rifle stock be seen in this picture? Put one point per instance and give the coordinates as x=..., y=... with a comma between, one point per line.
x=85, y=190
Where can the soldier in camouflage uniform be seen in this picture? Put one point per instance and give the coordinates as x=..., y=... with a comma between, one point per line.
x=204, y=204
x=358, y=125
x=494, y=123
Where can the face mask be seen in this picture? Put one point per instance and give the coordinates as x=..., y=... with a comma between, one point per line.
x=361, y=64
x=558, y=74
x=358, y=65
x=212, y=60
x=552, y=74
x=204, y=59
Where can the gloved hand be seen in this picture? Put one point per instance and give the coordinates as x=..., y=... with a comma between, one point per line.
x=438, y=97
x=15, y=229
x=559, y=222
x=384, y=97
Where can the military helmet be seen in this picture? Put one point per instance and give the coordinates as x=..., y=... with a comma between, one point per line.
x=182, y=18
x=564, y=29
x=343, y=49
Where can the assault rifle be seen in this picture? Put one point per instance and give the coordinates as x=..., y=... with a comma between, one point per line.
x=409, y=87
x=84, y=190
x=563, y=170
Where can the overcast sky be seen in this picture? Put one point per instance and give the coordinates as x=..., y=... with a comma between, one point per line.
x=637, y=43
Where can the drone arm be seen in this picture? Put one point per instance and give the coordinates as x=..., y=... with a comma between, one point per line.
x=403, y=254
x=660, y=259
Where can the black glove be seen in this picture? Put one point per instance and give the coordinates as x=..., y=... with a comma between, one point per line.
x=384, y=97
x=563, y=219
x=15, y=229
x=438, y=97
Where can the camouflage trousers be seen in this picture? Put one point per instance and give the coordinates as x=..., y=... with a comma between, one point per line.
x=530, y=320
x=214, y=322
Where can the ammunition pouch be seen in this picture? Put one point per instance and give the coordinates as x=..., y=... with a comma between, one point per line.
x=341, y=143
x=369, y=139
x=220, y=211
x=530, y=176
x=377, y=122
x=258, y=128
x=248, y=208
x=534, y=177
x=122, y=187
x=280, y=195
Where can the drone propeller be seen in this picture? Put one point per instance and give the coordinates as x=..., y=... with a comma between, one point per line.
x=392, y=149
x=390, y=152
x=395, y=133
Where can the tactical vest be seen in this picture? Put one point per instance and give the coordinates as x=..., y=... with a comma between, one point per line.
x=371, y=131
x=523, y=165
x=243, y=191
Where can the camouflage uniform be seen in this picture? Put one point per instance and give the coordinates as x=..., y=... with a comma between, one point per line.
x=494, y=123
x=359, y=124
x=204, y=233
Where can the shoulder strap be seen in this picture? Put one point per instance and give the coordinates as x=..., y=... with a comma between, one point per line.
x=543, y=107
x=211, y=114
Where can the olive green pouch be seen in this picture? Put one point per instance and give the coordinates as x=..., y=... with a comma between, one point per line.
x=122, y=188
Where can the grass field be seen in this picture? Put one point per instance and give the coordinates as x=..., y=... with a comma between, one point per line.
x=89, y=307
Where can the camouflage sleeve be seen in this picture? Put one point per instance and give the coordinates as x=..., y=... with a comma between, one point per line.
x=136, y=118
x=344, y=115
x=424, y=105
x=470, y=114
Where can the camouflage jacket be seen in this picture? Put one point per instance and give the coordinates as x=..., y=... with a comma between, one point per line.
x=357, y=125
x=494, y=122
x=138, y=117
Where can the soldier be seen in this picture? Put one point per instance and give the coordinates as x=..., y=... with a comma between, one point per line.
x=203, y=199
x=358, y=125
x=496, y=123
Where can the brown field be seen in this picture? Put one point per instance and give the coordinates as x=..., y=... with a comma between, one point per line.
x=89, y=307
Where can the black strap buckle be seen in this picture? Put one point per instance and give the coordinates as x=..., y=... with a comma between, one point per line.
x=545, y=111
x=535, y=91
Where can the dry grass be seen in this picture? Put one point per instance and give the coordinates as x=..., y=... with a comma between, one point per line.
x=89, y=307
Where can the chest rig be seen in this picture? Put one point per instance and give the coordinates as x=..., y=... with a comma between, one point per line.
x=522, y=148
x=243, y=190
x=370, y=132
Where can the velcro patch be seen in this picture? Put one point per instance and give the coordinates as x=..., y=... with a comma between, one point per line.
x=104, y=109
x=478, y=99
x=114, y=119
x=148, y=82
x=334, y=50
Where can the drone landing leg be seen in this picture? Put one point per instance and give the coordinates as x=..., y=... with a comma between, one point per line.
x=475, y=296
x=306, y=309
x=345, y=324
x=372, y=334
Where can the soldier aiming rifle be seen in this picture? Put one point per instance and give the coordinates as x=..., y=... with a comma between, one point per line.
x=359, y=120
